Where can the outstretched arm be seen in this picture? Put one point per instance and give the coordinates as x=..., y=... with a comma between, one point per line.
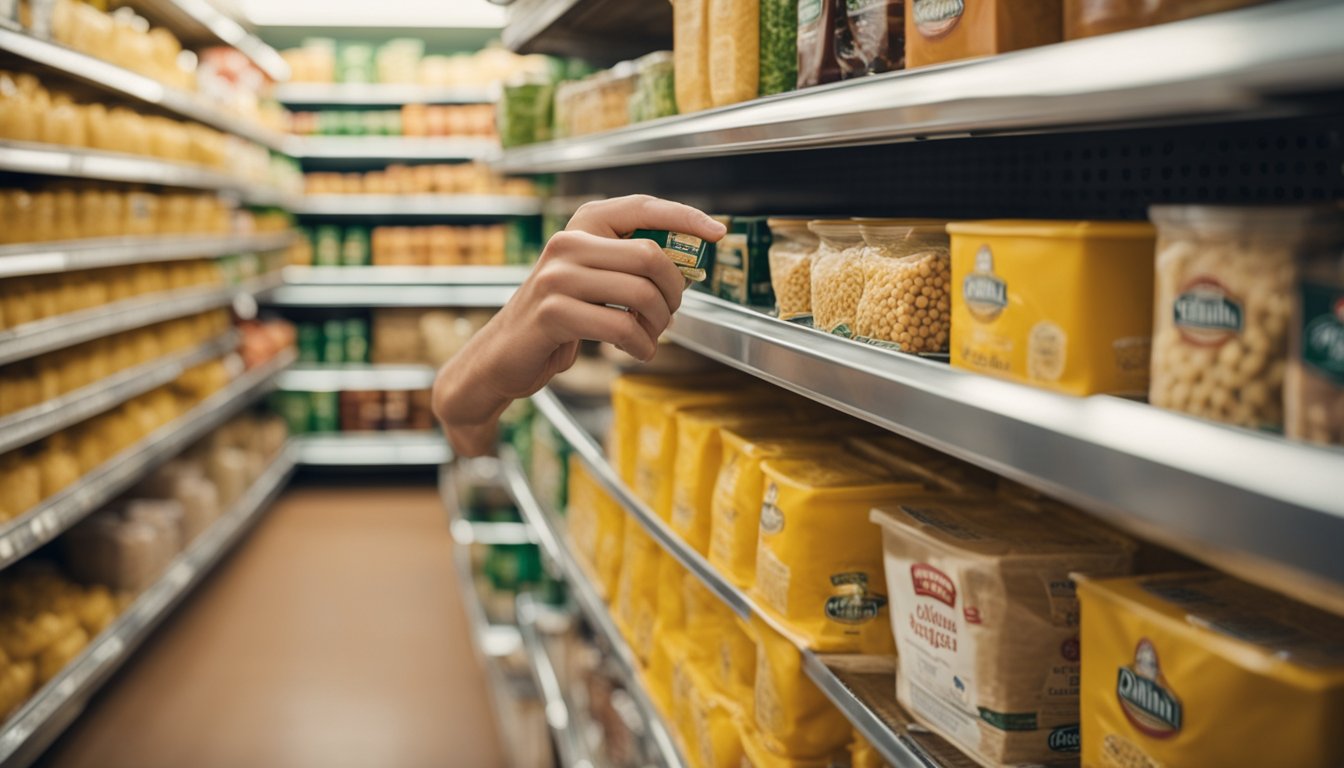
x=565, y=300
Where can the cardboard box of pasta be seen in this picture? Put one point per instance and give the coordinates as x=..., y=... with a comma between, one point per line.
x=1203, y=669
x=986, y=620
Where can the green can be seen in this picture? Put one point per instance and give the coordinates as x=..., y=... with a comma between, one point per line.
x=326, y=411
x=355, y=247
x=327, y=246
x=333, y=341
x=742, y=263
x=295, y=408
x=691, y=254
x=310, y=343
x=356, y=341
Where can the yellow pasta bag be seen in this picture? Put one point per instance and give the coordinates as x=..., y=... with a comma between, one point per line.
x=696, y=463
x=818, y=562
x=581, y=513
x=862, y=754
x=735, y=508
x=669, y=630
x=793, y=716
x=637, y=590
x=713, y=739
x=734, y=662
x=611, y=523
x=1202, y=669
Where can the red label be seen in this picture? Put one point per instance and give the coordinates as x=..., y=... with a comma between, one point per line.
x=931, y=582
x=972, y=615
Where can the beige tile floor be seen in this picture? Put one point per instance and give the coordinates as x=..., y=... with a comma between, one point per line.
x=334, y=636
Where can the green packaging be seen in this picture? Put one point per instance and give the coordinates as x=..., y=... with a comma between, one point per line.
x=326, y=411
x=310, y=343
x=333, y=341
x=742, y=263
x=691, y=254
x=295, y=408
x=355, y=247
x=327, y=246
x=356, y=341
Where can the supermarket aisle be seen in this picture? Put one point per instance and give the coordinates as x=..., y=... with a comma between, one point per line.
x=333, y=637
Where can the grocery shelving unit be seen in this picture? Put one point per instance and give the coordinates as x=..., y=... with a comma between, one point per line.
x=373, y=449
x=35, y=423
x=1258, y=62
x=79, y=163
x=53, y=708
x=54, y=515
x=61, y=331
x=125, y=84
x=418, y=206
x=365, y=276
x=602, y=30
x=875, y=719
x=383, y=295
x=535, y=622
x=94, y=253
x=355, y=377
x=200, y=22
x=306, y=95
x=555, y=543
x=492, y=641
x=390, y=149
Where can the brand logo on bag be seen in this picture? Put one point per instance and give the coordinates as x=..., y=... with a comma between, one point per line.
x=808, y=11
x=855, y=604
x=986, y=293
x=1323, y=342
x=935, y=18
x=1065, y=739
x=1206, y=313
x=1147, y=703
x=931, y=582
x=772, y=520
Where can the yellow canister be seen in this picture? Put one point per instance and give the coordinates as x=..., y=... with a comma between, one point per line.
x=1064, y=305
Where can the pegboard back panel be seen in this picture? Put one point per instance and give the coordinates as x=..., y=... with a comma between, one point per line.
x=1088, y=175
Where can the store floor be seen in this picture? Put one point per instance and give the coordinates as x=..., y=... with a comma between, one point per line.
x=334, y=636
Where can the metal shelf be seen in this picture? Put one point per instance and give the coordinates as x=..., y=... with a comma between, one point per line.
x=198, y=23
x=53, y=708
x=437, y=206
x=78, y=163
x=374, y=449
x=35, y=423
x=61, y=331
x=377, y=95
x=554, y=541
x=364, y=276
x=468, y=532
x=52, y=517
x=371, y=149
x=1236, y=65
x=492, y=641
x=429, y=296
x=896, y=746
x=601, y=31
x=570, y=744
x=1251, y=502
x=117, y=81
x=94, y=253
x=355, y=377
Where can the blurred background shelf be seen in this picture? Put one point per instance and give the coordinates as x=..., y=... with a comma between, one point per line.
x=52, y=709
x=418, y=206
x=53, y=516
x=536, y=621
x=361, y=276
x=122, y=83
x=70, y=255
x=35, y=423
x=200, y=23
x=460, y=296
x=373, y=449
x=377, y=150
x=77, y=163
x=602, y=31
x=376, y=95
x=304, y=377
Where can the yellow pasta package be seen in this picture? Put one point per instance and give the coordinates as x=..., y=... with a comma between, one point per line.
x=581, y=513
x=699, y=456
x=637, y=591
x=792, y=715
x=735, y=508
x=669, y=631
x=713, y=739
x=734, y=659
x=1199, y=668
x=818, y=564
x=611, y=522
x=1061, y=305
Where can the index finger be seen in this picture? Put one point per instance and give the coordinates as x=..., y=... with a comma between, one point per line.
x=620, y=216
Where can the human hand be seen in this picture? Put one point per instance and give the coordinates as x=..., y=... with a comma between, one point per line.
x=571, y=295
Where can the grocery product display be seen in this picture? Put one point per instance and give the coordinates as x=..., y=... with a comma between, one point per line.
x=1001, y=427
